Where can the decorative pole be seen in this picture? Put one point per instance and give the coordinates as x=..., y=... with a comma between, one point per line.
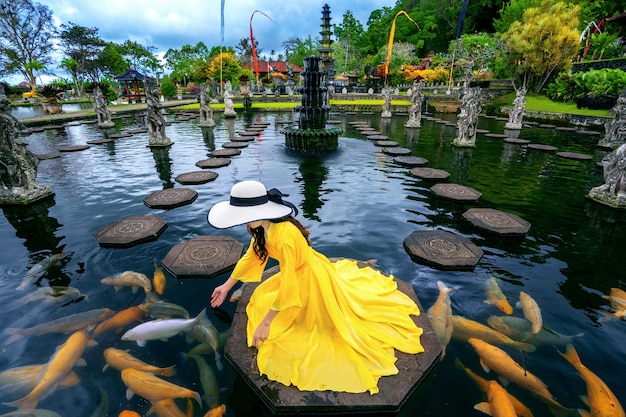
x=391, y=36
x=254, y=57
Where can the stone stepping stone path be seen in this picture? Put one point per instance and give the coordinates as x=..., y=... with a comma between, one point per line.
x=410, y=161
x=589, y=132
x=482, y=131
x=389, y=143
x=89, y=122
x=567, y=129
x=542, y=147
x=396, y=151
x=574, y=155
x=547, y=126
x=442, y=249
x=170, y=198
x=130, y=231
x=456, y=192
x=196, y=177
x=73, y=148
x=52, y=127
x=99, y=141
x=378, y=137
x=213, y=163
x=235, y=144
x=225, y=152
x=517, y=141
x=203, y=257
x=51, y=155
x=333, y=122
x=255, y=129
x=426, y=173
x=496, y=221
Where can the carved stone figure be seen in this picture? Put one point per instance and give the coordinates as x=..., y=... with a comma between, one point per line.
x=613, y=192
x=415, y=111
x=517, y=112
x=387, y=104
x=154, y=112
x=18, y=166
x=467, y=119
x=206, y=112
x=229, y=106
x=103, y=112
x=615, y=129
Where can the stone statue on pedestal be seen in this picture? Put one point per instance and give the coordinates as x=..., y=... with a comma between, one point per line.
x=467, y=119
x=415, y=111
x=18, y=166
x=387, y=104
x=154, y=112
x=206, y=112
x=615, y=129
x=229, y=106
x=103, y=112
x=613, y=192
x=517, y=112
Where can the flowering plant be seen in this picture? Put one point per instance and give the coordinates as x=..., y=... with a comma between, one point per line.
x=50, y=92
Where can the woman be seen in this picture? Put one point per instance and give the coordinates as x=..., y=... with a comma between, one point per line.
x=318, y=325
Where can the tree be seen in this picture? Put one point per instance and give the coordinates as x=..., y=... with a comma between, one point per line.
x=224, y=67
x=542, y=43
x=140, y=57
x=111, y=61
x=512, y=12
x=26, y=37
x=83, y=46
x=181, y=61
x=475, y=53
x=348, y=34
x=298, y=49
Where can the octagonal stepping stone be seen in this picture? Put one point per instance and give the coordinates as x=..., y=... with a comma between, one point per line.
x=566, y=128
x=482, y=131
x=495, y=135
x=442, y=249
x=496, y=221
x=213, y=163
x=426, y=173
x=225, y=152
x=358, y=122
x=333, y=122
x=52, y=127
x=120, y=135
x=51, y=155
x=542, y=147
x=396, y=151
x=234, y=145
x=249, y=133
x=170, y=198
x=547, y=126
x=456, y=192
x=389, y=143
x=203, y=257
x=574, y=155
x=99, y=141
x=135, y=131
x=377, y=137
x=243, y=138
x=517, y=141
x=73, y=148
x=130, y=231
x=589, y=132
x=410, y=161
x=196, y=177
x=255, y=129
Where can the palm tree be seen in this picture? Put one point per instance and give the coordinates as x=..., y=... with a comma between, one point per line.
x=71, y=65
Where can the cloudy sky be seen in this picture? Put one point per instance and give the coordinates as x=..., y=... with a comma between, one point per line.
x=168, y=24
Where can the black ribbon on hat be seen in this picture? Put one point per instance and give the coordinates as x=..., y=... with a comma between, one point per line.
x=273, y=195
x=276, y=196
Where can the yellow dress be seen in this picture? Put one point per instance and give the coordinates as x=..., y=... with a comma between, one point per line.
x=337, y=324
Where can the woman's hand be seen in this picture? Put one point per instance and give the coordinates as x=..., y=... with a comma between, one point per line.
x=261, y=334
x=220, y=293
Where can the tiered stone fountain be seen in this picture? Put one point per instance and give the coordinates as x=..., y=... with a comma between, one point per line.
x=312, y=134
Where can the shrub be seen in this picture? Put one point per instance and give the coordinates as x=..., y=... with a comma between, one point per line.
x=168, y=88
x=586, y=88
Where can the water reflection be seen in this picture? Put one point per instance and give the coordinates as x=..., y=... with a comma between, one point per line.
x=163, y=164
x=208, y=135
x=313, y=174
x=34, y=224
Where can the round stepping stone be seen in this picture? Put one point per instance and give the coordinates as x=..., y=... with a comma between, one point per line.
x=120, y=135
x=357, y=122
x=99, y=141
x=170, y=198
x=542, y=147
x=390, y=143
x=456, y=192
x=517, y=141
x=429, y=173
x=52, y=127
x=196, y=177
x=410, y=161
x=547, y=126
x=243, y=138
x=442, y=249
x=496, y=221
x=482, y=131
x=73, y=148
x=377, y=137
x=574, y=155
x=396, y=151
x=255, y=129
x=333, y=122
x=589, y=132
x=213, y=163
x=51, y=155
x=567, y=129
x=225, y=152
x=249, y=133
x=130, y=231
x=235, y=145
x=203, y=257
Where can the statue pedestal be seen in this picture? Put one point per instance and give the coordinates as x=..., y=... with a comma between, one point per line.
x=52, y=108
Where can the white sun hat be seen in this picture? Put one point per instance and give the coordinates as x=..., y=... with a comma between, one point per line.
x=249, y=202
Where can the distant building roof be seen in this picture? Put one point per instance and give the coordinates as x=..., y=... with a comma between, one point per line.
x=277, y=66
x=130, y=75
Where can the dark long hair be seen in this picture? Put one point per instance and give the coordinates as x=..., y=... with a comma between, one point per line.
x=258, y=233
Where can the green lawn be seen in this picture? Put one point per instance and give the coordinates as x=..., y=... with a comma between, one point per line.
x=535, y=102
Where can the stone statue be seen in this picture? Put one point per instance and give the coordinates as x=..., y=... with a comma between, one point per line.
x=18, y=166
x=415, y=111
x=613, y=192
x=517, y=112
x=103, y=112
x=206, y=112
x=615, y=129
x=154, y=112
x=467, y=119
x=229, y=106
x=387, y=104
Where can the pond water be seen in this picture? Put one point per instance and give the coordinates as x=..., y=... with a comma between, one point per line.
x=358, y=203
x=25, y=112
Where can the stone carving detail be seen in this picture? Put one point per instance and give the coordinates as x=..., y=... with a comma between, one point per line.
x=387, y=104
x=206, y=112
x=615, y=129
x=229, y=106
x=154, y=112
x=467, y=119
x=415, y=111
x=18, y=166
x=613, y=191
x=517, y=112
x=103, y=112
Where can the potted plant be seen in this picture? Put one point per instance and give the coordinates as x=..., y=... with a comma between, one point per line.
x=244, y=83
x=50, y=93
